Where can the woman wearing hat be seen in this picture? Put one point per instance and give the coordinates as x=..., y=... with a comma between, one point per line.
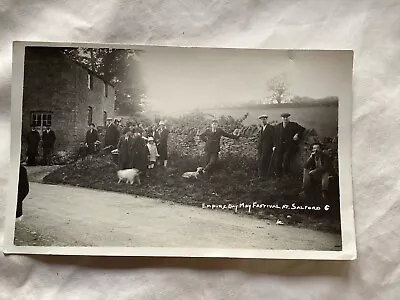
x=125, y=150
x=140, y=152
x=153, y=152
x=162, y=143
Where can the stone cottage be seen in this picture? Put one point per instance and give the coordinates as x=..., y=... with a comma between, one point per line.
x=64, y=94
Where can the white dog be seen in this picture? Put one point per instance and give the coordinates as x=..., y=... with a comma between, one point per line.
x=196, y=174
x=129, y=175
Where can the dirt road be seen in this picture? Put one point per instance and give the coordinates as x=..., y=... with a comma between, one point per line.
x=65, y=215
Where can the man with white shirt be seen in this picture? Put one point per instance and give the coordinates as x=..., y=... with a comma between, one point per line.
x=265, y=147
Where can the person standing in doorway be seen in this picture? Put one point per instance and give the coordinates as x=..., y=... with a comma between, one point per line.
x=212, y=138
x=265, y=147
x=287, y=136
x=33, y=140
x=48, y=140
x=92, y=136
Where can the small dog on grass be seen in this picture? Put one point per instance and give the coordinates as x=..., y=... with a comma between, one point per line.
x=129, y=175
x=195, y=175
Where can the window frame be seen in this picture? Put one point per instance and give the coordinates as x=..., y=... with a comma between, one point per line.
x=105, y=89
x=37, y=118
x=90, y=81
x=105, y=116
x=90, y=114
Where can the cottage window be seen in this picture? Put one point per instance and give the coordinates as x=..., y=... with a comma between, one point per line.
x=104, y=118
x=90, y=115
x=90, y=81
x=41, y=119
x=105, y=89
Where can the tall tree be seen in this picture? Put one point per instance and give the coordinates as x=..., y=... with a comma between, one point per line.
x=118, y=67
x=279, y=90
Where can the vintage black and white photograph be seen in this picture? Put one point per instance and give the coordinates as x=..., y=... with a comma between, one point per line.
x=215, y=151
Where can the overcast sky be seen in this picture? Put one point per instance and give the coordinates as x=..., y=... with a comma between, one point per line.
x=179, y=80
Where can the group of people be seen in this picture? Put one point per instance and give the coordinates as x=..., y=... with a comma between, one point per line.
x=137, y=147
x=48, y=138
x=281, y=143
x=277, y=145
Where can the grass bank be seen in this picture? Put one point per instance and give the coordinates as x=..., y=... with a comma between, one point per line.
x=232, y=188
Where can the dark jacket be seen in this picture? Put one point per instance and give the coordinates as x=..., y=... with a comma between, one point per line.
x=112, y=136
x=140, y=153
x=33, y=140
x=125, y=151
x=265, y=140
x=213, y=139
x=23, y=183
x=23, y=189
x=163, y=136
x=326, y=163
x=91, y=137
x=284, y=136
x=48, y=139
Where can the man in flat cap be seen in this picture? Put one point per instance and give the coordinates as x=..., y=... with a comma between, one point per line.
x=212, y=137
x=265, y=146
x=287, y=136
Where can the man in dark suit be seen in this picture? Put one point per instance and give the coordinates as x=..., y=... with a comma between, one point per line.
x=48, y=140
x=33, y=140
x=265, y=146
x=287, y=135
x=92, y=136
x=125, y=150
x=317, y=170
x=112, y=134
x=23, y=190
x=212, y=137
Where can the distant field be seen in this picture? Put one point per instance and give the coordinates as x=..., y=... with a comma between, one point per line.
x=324, y=119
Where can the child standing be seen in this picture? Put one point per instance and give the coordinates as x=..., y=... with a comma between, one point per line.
x=153, y=153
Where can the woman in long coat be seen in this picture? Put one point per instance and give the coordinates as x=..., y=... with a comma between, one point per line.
x=140, y=152
x=125, y=150
x=163, y=144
